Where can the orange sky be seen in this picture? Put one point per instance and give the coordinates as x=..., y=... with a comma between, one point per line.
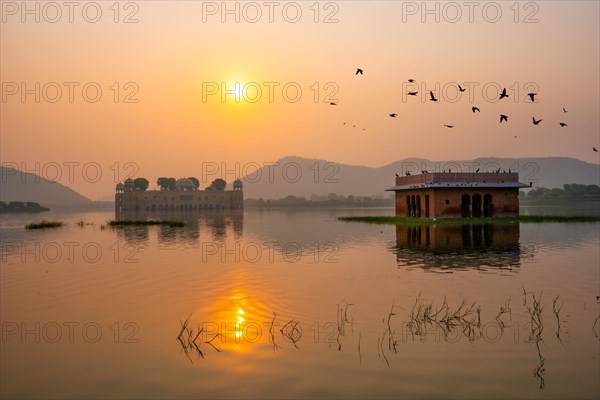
x=175, y=52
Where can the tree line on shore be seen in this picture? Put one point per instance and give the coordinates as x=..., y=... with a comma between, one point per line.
x=21, y=207
x=571, y=191
x=332, y=199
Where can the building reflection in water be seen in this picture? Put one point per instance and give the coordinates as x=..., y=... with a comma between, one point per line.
x=217, y=223
x=460, y=246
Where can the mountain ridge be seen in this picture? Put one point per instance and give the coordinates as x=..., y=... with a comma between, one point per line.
x=303, y=176
x=16, y=185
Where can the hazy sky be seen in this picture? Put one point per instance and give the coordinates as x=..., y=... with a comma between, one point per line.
x=175, y=58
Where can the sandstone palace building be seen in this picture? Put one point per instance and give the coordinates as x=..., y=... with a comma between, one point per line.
x=455, y=195
x=185, y=197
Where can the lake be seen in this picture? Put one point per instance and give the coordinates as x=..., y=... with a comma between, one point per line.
x=296, y=304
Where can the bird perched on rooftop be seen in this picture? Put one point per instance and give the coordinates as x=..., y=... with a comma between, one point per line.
x=397, y=176
x=503, y=118
x=432, y=96
x=503, y=94
x=358, y=71
x=536, y=122
x=407, y=173
x=477, y=170
x=475, y=109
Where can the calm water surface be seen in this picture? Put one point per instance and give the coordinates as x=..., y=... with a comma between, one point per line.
x=290, y=304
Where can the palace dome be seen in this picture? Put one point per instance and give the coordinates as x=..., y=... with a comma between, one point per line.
x=184, y=183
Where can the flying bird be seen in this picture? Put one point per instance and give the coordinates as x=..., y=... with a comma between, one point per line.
x=412, y=93
x=503, y=118
x=536, y=122
x=358, y=71
x=432, y=96
x=564, y=110
x=477, y=170
x=333, y=104
x=460, y=89
x=532, y=96
x=411, y=80
x=475, y=109
x=595, y=149
x=449, y=126
x=503, y=94
x=393, y=115
x=562, y=124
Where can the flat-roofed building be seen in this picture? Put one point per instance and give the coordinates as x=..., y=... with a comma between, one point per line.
x=454, y=195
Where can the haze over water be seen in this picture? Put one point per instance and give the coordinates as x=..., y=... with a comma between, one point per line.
x=123, y=294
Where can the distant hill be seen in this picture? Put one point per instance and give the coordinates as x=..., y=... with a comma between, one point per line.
x=16, y=185
x=303, y=176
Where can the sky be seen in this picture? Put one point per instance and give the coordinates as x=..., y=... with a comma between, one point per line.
x=93, y=92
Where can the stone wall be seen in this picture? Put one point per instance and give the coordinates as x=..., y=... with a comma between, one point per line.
x=446, y=202
x=196, y=200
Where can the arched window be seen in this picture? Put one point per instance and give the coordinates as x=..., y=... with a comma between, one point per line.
x=476, y=207
x=465, y=206
x=487, y=205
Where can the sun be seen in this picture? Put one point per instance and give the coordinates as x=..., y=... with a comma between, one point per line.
x=233, y=91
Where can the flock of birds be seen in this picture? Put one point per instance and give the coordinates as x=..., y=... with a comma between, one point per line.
x=503, y=94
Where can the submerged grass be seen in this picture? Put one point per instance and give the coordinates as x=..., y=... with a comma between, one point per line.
x=462, y=221
x=45, y=224
x=145, y=223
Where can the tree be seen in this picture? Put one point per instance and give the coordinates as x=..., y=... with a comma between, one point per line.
x=195, y=181
x=163, y=183
x=172, y=183
x=218, y=184
x=166, y=183
x=141, y=183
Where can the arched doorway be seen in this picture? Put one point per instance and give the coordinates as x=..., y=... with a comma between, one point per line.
x=412, y=206
x=408, y=206
x=476, y=207
x=465, y=206
x=487, y=205
x=418, y=210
